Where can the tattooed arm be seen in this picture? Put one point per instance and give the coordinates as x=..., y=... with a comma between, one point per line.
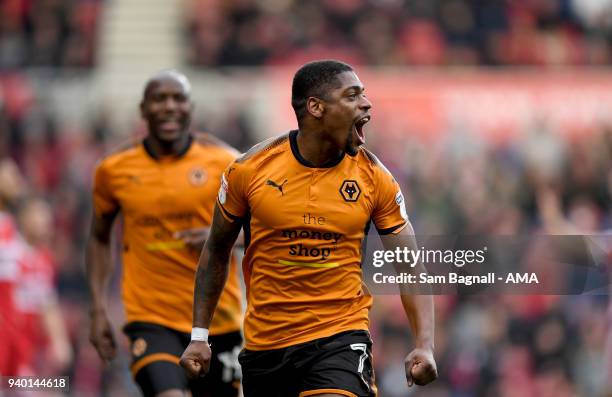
x=210, y=280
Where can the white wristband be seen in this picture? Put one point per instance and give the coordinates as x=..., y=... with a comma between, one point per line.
x=199, y=334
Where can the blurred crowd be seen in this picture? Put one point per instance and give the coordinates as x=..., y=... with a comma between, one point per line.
x=486, y=346
x=48, y=33
x=400, y=32
x=508, y=345
x=58, y=33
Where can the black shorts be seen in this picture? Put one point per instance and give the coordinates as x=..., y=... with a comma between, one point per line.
x=156, y=351
x=340, y=364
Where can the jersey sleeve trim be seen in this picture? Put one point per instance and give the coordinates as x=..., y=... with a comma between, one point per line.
x=392, y=230
x=226, y=214
x=314, y=392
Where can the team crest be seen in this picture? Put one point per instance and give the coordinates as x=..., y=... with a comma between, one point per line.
x=139, y=347
x=197, y=176
x=350, y=190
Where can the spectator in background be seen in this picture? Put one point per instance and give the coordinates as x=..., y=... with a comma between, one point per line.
x=12, y=253
x=48, y=349
x=29, y=307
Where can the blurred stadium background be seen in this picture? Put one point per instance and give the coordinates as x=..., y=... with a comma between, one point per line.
x=494, y=115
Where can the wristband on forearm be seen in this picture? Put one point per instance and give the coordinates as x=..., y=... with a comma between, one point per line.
x=199, y=334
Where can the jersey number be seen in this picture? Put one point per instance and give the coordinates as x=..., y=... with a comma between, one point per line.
x=363, y=348
x=231, y=367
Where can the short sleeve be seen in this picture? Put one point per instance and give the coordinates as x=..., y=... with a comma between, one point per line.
x=232, y=197
x=389, y=213
x=104, y=201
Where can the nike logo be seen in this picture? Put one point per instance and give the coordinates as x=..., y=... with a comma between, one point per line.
x=270, y=182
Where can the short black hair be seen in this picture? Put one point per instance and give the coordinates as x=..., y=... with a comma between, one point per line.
x=314, y=79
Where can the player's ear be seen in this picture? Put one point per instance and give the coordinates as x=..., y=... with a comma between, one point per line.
x=315, y=107
x=142, y=109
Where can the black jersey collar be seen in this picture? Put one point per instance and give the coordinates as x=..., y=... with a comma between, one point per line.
x=180, y=154
x=303, y=161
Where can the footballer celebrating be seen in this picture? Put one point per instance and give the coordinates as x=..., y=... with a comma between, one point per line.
x=305, y=200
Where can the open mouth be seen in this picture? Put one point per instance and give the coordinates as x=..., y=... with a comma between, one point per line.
x=358, y=129
x=169, y=125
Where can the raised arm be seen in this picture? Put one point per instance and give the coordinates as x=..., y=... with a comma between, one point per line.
x=418, y=305
x=210, y=280
x=99, y=270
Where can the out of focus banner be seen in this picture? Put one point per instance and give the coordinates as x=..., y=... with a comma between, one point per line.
x=490, y=104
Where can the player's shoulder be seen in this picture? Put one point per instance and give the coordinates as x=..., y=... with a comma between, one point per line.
x=213, y=143
x=117, y=154
x=264, y=151
x=370, y=161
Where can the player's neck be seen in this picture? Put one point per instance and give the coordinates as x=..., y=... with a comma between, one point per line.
x=158, y=148
x=317, y=152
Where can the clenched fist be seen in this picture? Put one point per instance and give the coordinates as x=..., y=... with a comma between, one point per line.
x=196, y=359
x=420, y=367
